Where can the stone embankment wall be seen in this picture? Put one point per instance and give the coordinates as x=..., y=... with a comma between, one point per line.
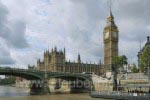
x=22, y=84
x=102, y=84
x=56, y=85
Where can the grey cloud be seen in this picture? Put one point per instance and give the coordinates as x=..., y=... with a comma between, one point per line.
x=5, y=57
x=3, y=14
x=87, y=17
x=137, y=13
x=12, y=36
x=17, y=36
x=135, y=9
x=93, y=8
x=12, y=31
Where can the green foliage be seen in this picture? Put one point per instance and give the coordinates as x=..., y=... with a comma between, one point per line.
x=145, y=58
x=10, y=80
x=134, y=69
x=119, y=61
x=141, y=67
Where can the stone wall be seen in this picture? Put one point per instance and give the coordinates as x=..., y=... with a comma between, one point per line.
x=64, y=86
x=102, y=84
x=22, y=84
x=106, y=86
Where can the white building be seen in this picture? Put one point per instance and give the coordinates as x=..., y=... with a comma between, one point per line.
x=127, y=68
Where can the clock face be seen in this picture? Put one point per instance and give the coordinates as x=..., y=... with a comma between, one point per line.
x=106, y=35
x=114, y=34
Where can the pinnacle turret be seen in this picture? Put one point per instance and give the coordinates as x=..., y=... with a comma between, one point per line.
x=148, y=40
x=79, y=59
x=64, y=51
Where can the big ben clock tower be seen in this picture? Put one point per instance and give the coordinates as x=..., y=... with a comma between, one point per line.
x=111, y=37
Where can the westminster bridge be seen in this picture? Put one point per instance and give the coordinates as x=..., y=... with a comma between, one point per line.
x=41, y=78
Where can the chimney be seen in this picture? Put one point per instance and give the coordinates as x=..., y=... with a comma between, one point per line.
x=148, y=41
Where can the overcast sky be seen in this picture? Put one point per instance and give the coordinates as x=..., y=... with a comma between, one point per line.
x=28, y=27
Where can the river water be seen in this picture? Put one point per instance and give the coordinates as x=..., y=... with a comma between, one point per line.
x=13, y=93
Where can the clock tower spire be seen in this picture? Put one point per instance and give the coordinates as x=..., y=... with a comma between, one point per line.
x=110, y=39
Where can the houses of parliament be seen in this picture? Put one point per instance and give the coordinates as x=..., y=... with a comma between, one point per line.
x=55, y=60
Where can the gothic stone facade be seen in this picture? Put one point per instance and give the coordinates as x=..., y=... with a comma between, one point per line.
x=55, y=61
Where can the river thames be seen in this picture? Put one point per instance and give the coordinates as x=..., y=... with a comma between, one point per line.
x=13, y=93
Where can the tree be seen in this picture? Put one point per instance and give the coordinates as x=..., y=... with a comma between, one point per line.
x=134, y=69
x=9, y=80
x=145, y=58
x=119, y=61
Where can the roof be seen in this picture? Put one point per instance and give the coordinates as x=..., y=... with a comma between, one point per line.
x=110, y=14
